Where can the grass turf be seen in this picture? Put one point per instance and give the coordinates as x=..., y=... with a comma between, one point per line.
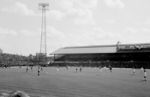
x=91, y=82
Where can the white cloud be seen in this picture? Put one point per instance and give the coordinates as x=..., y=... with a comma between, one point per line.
x=52, y=32
x=135, y=35
x=94, y=36
x=85, y=18
x=114, y=3
x=29, y=33
x=19, y=8
x=56, y=14
x=56, y=38
x=90, y=4
x=23, y=32
x=80, y=11
x=110, y=21
x=102, y=34
x=59, y=39
x=145, y=29
x=5, y=31
x=147, y=22
x=131, y=30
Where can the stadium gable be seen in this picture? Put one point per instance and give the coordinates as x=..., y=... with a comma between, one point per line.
x=86, y=50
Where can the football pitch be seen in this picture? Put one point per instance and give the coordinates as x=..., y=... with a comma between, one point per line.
x=63, y=82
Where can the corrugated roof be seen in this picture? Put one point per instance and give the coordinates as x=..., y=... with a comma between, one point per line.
x=96, y=49
x=86, y=50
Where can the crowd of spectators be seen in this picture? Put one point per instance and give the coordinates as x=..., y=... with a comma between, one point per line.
x=7, y=60
x=13, y=59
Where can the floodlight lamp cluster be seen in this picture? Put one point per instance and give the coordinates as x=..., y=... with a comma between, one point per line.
x=44, y=5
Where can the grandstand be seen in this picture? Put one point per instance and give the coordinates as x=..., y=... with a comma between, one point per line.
x=122, y=55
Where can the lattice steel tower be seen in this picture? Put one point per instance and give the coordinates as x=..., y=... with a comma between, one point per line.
x=43, y=41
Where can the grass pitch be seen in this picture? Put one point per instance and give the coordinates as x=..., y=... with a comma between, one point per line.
x=60, y=82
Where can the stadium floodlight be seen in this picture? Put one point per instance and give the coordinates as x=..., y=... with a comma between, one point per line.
x=43, y=44
x=43, y=41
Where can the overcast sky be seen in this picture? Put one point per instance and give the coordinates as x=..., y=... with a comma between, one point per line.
x=72, y=23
